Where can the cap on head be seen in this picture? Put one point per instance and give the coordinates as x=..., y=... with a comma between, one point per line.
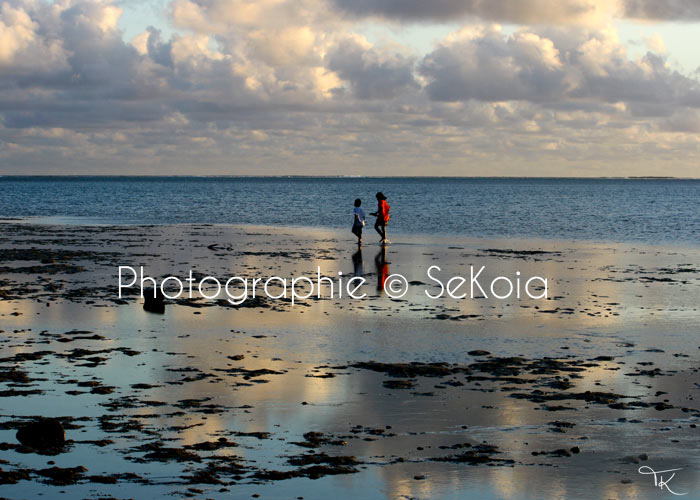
x=380, y=196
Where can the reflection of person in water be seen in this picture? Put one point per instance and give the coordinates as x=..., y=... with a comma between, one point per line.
x=382, y=268
x=357, y=262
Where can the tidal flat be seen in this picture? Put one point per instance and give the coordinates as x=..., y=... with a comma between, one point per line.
x=565, y=397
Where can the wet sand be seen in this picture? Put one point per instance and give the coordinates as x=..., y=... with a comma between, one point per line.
x=376, y=398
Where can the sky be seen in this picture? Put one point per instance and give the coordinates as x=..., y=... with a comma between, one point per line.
x=571, y=88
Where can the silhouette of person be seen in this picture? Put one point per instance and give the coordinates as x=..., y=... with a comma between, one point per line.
x=358, y=221
x=382, y=215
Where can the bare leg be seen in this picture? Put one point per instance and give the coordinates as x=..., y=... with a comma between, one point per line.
x=357, y=231
x=380, y=229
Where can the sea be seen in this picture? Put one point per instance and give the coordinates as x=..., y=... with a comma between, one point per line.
x=616, y=210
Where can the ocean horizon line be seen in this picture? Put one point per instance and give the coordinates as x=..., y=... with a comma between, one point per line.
x=295, y=176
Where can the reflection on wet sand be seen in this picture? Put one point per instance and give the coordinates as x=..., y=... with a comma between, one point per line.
x=382, y=268
x=415, y=398
x=358, y=263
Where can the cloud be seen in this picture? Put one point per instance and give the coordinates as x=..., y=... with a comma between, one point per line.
x=511, y=11
x=73, y=69
x=483, y=64
x=553, y=66
x=685, y=121
x=23, y=49
x=522, y=12
x=295, y=84
x=667, y=10
x=655, y=43
x=371, y=75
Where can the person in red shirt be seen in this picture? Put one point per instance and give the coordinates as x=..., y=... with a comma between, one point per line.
x=382, y=215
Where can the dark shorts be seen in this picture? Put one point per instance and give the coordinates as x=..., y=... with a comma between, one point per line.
x=357, y=230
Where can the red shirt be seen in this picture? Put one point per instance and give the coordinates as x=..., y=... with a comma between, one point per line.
x=383, y=210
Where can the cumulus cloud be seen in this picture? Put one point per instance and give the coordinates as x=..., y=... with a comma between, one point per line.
x=554, y=65
x=75, y=70
x=23, y=48
x=481, y=63
x=371, y=75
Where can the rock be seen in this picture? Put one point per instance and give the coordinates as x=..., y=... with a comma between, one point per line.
x=44, y=434
x=63, y=477
x=398, y=384
x=154, y=301
x=479, y=352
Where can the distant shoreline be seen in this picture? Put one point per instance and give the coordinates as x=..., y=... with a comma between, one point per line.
x=335, y=177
